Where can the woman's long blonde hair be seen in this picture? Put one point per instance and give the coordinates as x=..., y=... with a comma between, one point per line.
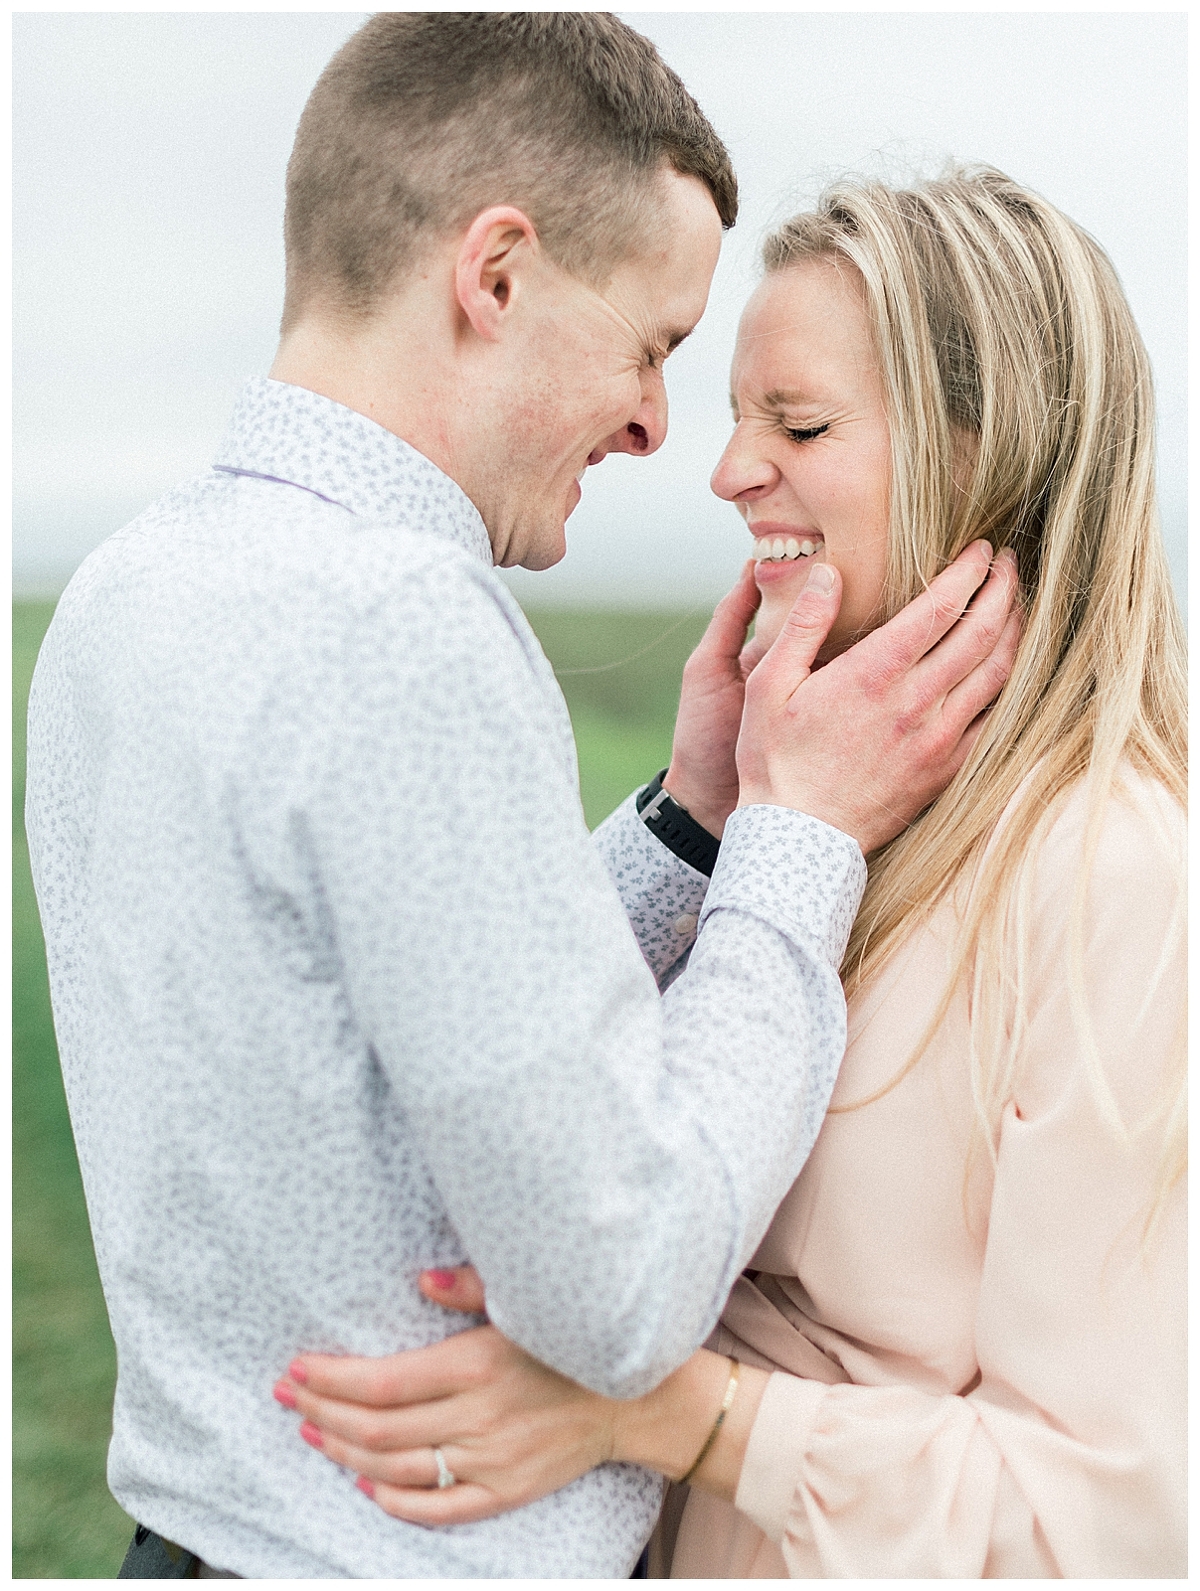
x=1021, y=409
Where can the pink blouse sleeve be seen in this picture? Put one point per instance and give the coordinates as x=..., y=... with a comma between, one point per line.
x=1068, y=1457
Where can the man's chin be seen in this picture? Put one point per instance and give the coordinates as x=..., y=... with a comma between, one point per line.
x=545, y=551
x=527, y=543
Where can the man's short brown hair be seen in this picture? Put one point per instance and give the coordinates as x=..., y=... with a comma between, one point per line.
x=423, y=119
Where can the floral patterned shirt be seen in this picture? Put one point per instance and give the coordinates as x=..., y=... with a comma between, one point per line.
x=344, y=989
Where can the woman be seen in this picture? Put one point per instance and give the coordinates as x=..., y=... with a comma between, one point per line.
x=960, y=1346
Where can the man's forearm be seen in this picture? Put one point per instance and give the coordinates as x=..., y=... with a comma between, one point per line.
x=752, y=1036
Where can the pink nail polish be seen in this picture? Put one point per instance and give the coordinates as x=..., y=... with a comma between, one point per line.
x=364, y=1485
x=284, y=1394
x=442, y=1280
x=311, y=1435
x=297, y=1372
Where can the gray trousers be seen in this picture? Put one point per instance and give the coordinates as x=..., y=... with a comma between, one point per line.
x=153, y=1557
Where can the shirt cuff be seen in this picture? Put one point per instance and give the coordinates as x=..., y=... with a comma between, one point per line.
x=779, y=1441
x=661, y=894
x=791, y=871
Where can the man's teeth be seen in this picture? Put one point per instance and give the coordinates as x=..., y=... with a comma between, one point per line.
x=779, y=547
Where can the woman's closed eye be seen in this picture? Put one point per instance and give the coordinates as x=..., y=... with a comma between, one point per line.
x=806, y=434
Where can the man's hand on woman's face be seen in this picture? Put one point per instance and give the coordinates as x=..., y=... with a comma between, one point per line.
x=510, y=1429
x=703, y=775
x=868, y=741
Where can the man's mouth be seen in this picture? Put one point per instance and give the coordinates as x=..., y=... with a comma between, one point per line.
x=785, y=549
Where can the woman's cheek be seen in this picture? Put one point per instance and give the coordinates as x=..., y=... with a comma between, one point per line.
x=863, y=568
x=852, y=622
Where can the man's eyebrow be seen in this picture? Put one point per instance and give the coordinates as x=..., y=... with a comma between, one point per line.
x=670, y=340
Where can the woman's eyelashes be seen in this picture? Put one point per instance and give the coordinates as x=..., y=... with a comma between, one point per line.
x=805, y=434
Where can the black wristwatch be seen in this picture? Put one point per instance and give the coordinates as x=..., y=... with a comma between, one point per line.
x=677, y=828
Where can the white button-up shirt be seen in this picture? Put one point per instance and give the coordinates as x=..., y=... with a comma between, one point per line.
x=343, y=989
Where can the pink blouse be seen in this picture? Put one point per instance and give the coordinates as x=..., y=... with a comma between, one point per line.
x=985, y=1369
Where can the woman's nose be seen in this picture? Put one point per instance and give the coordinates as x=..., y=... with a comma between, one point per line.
x=741, y=474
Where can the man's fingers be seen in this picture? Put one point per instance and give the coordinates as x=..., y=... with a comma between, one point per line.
x=977, y=634
x=967, y=739
x=982, y=685
x=897, y=645
x=726, y=632
x=794, y=650
x=751, y=656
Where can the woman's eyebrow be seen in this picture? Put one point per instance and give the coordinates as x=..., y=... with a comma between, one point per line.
x=781, y=397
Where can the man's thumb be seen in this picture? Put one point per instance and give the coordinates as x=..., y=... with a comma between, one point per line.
x=810, y=620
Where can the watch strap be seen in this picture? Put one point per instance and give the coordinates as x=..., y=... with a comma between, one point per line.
x=677, y=828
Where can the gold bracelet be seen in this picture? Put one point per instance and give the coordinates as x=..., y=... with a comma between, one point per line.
x=726, y=1405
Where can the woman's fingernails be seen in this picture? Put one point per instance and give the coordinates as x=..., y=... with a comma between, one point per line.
x=442, y=1280
x=820, y=579
x=284, y=1394
x=364, y=1485
x=311, y=1435
x=297, y=1372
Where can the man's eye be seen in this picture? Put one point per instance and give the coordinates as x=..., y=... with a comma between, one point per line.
x=806, y=435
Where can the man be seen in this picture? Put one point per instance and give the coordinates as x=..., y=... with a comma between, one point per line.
x=343, y=990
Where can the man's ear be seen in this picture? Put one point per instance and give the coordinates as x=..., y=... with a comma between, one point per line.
x=496, y=251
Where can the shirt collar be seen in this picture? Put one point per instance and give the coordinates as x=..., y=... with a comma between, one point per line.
x=287, y=434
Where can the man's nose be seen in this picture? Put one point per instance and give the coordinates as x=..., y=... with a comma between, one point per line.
x=646, y=432
x=741, y=473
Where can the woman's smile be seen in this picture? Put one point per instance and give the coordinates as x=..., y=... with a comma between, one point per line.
x=783, y=555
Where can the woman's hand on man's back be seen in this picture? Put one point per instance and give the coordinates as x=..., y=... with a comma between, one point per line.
x=511, y=1428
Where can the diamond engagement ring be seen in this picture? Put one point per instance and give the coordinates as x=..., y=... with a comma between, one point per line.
x=446, y=1476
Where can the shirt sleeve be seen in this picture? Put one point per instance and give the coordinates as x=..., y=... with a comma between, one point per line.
x=1069, y=1456
x=608, y=1159
x=662, y=895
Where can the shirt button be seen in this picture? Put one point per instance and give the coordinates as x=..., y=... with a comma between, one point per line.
x=685, y=924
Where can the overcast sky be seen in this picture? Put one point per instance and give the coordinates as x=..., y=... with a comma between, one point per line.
x=149, y=156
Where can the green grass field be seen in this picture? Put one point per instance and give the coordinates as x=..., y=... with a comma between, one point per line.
x=65, y=1524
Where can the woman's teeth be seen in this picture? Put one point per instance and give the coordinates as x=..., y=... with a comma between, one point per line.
x=779, y=547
